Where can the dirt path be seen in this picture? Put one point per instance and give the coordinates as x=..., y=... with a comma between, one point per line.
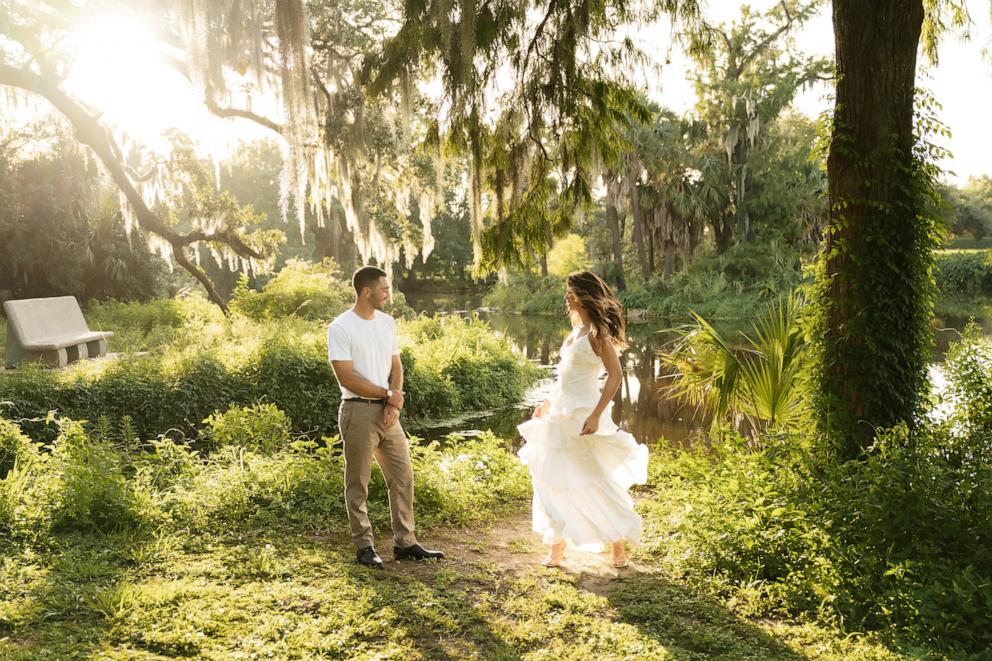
x=513, y=548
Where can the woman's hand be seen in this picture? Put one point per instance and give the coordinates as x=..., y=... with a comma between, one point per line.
x=590, y=426
x=541, y=410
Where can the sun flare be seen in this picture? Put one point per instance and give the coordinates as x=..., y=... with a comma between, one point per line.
x=120, y=69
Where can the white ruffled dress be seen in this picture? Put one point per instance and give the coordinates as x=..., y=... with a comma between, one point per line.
x=581, y=482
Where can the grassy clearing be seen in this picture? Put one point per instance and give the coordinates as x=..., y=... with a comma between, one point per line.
x=158, y=552
x=292, y=593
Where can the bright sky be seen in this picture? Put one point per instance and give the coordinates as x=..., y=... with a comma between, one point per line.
x=962, y=82
x=157, y=97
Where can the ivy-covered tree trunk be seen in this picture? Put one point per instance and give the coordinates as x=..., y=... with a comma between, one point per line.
x=876, y=307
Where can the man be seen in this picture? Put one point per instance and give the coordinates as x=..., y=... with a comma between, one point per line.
x=362, y=348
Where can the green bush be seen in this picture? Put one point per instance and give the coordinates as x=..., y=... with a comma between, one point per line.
x=461, y=365
x=91, y=485
x=469, y=481
x=963, y=272
x=301, y=289
x=528, y=295
x=17, y=456
x=727, y=286
x=261, y=427
x=84, y=484
x=150, y=326
x=14, y=447
x=900, y=541
x=318, y=292
x=451, y=366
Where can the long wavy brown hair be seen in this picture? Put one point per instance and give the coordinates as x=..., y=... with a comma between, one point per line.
x=601, y=304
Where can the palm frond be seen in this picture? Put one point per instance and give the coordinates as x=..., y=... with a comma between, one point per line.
x=759, y=381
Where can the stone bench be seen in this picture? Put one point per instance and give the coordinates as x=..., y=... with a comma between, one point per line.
x=52, y=330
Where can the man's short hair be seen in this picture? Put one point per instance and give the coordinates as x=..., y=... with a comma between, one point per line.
x=366, y=277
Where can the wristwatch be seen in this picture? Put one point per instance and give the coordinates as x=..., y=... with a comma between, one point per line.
x=389, y=393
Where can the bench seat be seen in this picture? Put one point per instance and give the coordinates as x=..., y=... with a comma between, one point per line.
x=64, y=341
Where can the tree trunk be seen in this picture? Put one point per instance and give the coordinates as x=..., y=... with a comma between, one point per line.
x=637, y=217
x=722, y=233
x=544, y=264
x=651, y=233
x=876, y=309
x=327, y=239
x=669, y=260
x=613, y=224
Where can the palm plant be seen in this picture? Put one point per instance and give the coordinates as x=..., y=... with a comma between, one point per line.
x=757, y=380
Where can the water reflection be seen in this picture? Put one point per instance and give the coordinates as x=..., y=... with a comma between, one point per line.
x=641, y=406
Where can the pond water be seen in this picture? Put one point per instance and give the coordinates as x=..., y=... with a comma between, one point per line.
x=641, y=405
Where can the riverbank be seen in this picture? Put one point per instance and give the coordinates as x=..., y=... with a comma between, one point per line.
x=726, y=290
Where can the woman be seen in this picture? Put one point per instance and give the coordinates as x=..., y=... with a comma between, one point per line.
x=581, y=464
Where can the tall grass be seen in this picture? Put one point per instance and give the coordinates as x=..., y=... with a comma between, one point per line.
x=95, y=484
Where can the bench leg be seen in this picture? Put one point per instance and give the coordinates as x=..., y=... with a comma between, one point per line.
x=96, y=348
x=76, y=352
x=14, y=353
x=54, y=358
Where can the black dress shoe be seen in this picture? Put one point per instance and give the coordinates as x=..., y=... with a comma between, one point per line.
x=368, y=557
x=416, y=552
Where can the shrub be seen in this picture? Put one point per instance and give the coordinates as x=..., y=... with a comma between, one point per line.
x=149, y=326
x=900, y=541
x=301, y=289
x=293, y=373
x=14, y=447
x=304, y=484
x=90, y=485
x=261, y=427
x=17, y=456
x=727, y=286
x=451, y=366
x=87, y=486
x=528, y=295
x=760, y=381
x=963, y=272
x=468, y=481
x=461, y=365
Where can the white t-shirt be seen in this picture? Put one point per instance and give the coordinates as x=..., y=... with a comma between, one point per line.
x=369, y=344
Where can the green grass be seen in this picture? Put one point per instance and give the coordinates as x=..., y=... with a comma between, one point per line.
x=112, y=551
x=289, y=593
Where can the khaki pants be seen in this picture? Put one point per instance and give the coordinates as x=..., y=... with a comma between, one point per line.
x=364, y=436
